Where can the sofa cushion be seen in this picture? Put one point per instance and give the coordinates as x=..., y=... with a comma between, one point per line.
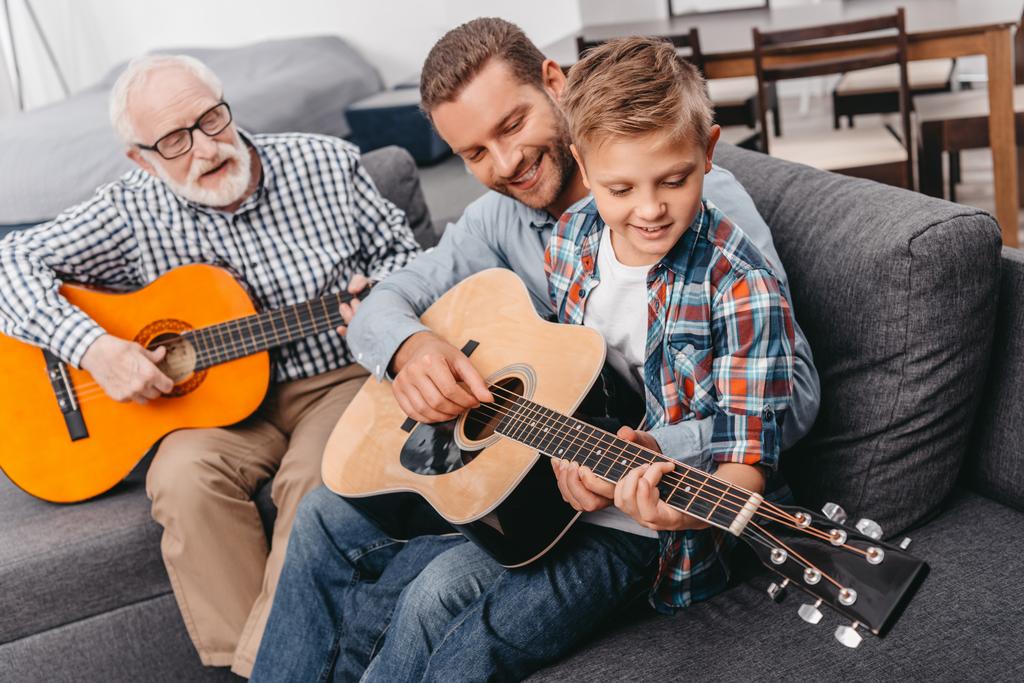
x=998, y=466
x=896, y=292
x=144, y=641
x=962, y=624
x=61, y=564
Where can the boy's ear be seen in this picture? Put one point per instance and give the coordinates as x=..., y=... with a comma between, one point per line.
x=579, y=164
x=552, y=78
x=135, y=155
x=715, y=133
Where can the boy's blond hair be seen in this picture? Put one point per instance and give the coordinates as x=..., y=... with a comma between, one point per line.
x=629, y=87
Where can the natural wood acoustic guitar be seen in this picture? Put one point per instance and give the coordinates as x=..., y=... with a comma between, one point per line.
x=64, y=440
x=486, y=473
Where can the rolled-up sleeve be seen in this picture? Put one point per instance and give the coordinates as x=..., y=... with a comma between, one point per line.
x=752, y=331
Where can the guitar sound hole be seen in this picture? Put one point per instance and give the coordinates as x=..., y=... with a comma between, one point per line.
x=481, y=422
x=180, y=359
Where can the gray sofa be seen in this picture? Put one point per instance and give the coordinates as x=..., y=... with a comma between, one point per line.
x=914, y=315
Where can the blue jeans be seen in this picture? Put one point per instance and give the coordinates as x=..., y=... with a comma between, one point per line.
x=437, y=607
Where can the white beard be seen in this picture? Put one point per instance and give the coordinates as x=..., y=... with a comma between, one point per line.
x=231, y=188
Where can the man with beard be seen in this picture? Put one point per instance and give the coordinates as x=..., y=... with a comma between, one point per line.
x=438, y=608
x=296, y=217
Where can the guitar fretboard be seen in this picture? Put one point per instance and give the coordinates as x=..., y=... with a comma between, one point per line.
x=558, y=436
x=241, y=337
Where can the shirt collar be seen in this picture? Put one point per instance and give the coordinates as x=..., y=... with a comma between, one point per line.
x=541, y=219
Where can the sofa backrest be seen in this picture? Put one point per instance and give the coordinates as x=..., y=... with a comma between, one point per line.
x=394, y=172
x=897, y=294
x=995, y=461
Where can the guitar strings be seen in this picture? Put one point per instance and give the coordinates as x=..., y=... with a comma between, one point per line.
x=792, y=553
x=230, y=349
x=730, y=506
x=778, y=515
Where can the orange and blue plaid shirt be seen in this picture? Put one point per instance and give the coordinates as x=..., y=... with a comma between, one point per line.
x=719, y=344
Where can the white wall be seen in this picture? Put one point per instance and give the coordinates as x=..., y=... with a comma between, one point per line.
x=8, y=102
x=91, y=36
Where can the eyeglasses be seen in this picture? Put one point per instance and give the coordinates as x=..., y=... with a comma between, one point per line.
x=179, y=142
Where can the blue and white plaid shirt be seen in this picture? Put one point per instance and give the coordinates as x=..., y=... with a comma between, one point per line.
x=315, y=220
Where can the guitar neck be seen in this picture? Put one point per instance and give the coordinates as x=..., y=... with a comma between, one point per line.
x=687, y=489
x=241, y=337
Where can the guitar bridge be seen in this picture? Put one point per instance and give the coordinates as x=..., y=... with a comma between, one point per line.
x=64, y=392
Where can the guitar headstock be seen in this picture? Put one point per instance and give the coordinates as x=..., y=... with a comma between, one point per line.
x=848, y=568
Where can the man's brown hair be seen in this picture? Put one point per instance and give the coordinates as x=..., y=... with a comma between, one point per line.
x=629, y=87
x=464, y=51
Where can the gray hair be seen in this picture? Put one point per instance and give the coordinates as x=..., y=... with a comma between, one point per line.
x=137, y=72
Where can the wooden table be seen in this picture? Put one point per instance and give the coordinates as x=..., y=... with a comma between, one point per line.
x=935, y=28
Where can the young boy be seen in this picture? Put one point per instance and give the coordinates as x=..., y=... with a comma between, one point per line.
x=690, y=310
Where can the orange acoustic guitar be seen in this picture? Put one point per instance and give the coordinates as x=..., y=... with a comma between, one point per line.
x=64, y=440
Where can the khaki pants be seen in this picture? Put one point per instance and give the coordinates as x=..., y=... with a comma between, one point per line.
x=202, y=482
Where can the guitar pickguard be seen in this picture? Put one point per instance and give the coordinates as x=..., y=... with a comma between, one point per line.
x=432, y=449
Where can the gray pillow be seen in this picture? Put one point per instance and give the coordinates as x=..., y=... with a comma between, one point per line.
x=896, y=292
x=394, y=172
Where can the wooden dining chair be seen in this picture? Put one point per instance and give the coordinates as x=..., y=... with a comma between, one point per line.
x=874, y=151
x=877, y=91
x=957, y=121
x=734, y=99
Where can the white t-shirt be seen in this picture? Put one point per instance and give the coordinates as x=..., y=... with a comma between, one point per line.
x=617, y=308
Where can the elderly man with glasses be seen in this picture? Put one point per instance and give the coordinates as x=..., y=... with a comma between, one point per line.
x=295, y=217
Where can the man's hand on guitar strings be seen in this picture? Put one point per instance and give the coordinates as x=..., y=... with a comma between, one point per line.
x=427, y=380
x=125, y=370
x=358, y=283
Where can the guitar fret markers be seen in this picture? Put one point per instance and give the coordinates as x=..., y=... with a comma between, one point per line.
x=234, y=339
x=555, y=435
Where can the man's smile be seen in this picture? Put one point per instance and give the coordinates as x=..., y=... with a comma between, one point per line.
x=527, y=179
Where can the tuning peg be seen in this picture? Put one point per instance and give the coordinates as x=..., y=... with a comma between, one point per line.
x=905, y=543
x=834, y=512
x=810, y=613
x=777, y=591
x=869, y=528
x=848, y=635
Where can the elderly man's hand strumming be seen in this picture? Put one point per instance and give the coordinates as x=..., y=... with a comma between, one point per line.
x=126, y=370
